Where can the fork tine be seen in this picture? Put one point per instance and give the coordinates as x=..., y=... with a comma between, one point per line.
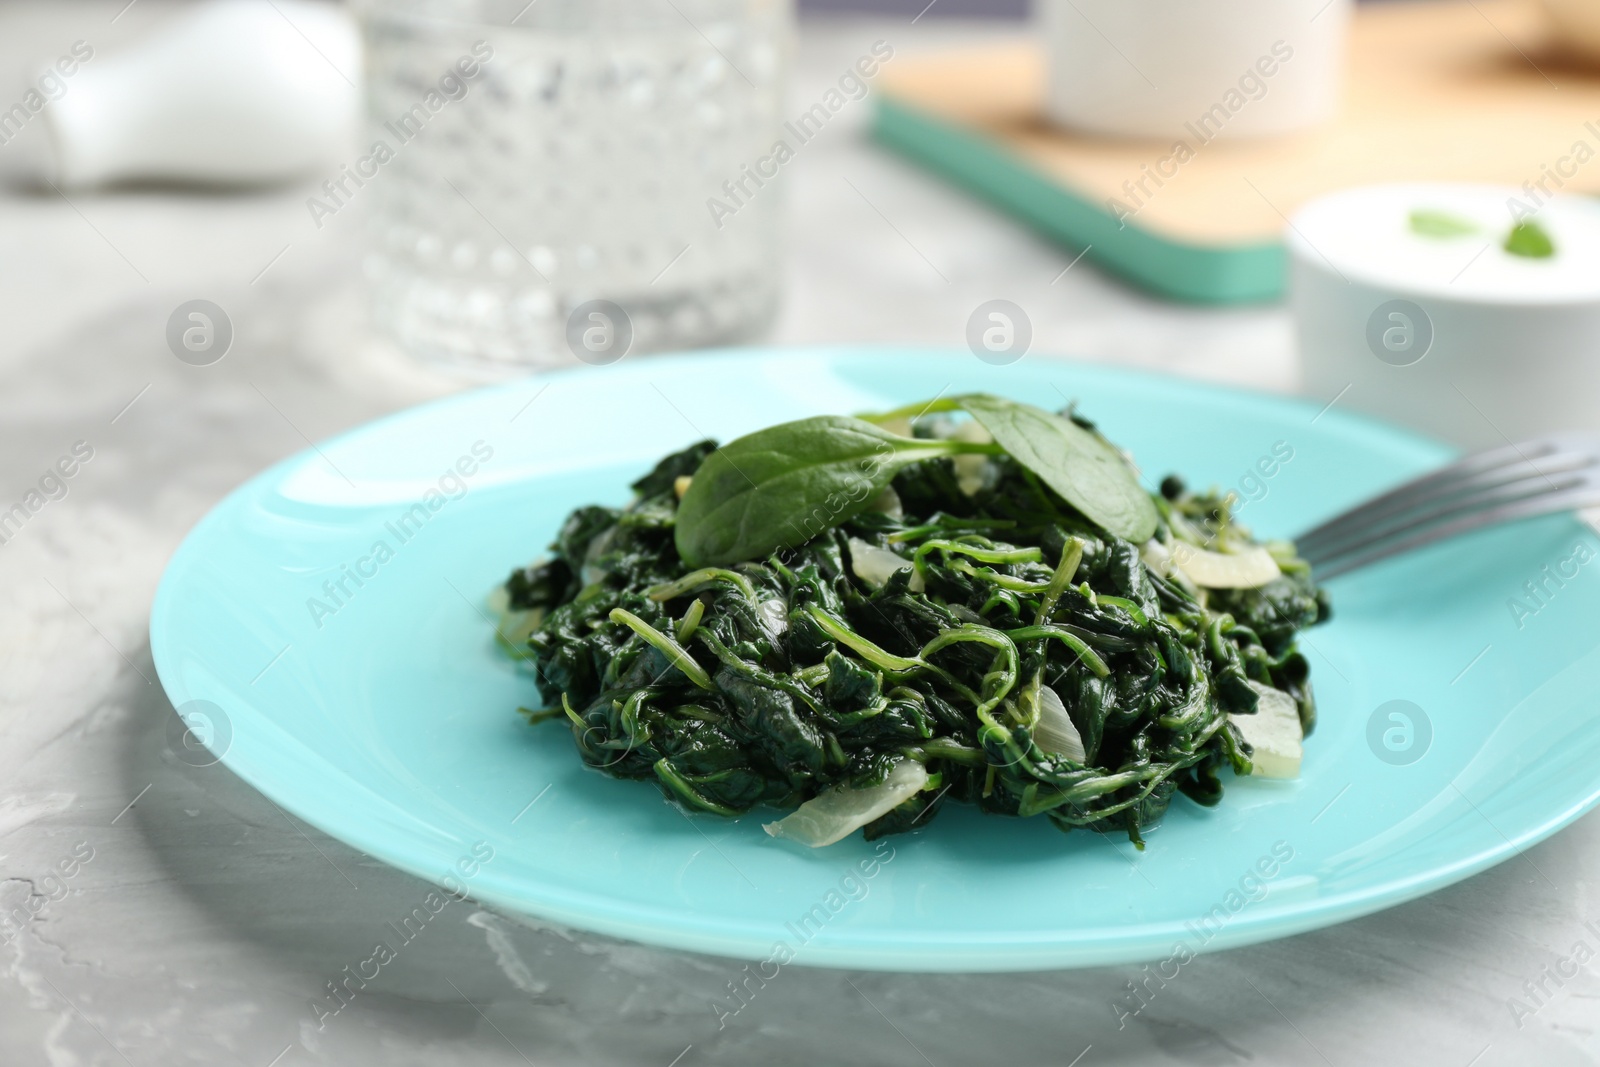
x=1582, y=497
x=1526, y=487
x=1479, y=468
x=1396, y=507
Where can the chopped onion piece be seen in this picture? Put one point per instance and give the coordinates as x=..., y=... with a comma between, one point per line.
x=841, y=811
x=775, y=616
x=1156, y=557
x=517, y=626
x=888, y=502
x=1055, y=732
x=1273, y=732
x=1248, y=569
x=590, y=572
x=970, y=469
x=876, y=566
x=514, y=626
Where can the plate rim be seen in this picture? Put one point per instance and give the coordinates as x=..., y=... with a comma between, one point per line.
x=859, y=949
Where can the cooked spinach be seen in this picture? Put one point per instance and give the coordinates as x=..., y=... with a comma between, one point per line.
x=835, y=610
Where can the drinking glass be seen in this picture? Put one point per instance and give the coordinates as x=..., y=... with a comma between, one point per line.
x=550, y=181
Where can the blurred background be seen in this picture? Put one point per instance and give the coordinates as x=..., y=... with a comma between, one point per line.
x=851, y=242
x=450, y=191
x=232, y=228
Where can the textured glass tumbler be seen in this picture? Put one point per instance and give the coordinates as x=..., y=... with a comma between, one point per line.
x=544, y=179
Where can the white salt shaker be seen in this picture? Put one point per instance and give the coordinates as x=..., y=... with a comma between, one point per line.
x=228, y=92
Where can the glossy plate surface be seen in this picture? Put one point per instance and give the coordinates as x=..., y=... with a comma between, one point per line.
x=382, y=712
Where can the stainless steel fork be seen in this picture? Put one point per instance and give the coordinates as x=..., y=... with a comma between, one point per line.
x=1518, y=481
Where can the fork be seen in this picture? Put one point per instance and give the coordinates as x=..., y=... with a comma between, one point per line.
x=1560, y=472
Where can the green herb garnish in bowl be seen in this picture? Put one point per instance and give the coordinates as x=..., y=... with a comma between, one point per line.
x=859, y=620
x=1440, y=224
x=1529, y=240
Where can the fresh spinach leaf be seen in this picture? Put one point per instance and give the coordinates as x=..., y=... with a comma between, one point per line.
x=1082, y=466
x=784, y=485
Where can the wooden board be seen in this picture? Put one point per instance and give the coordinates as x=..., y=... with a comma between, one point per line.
x=1453, y=90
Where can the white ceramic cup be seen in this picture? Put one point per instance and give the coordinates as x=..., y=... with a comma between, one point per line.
x=1452, y=335
x=1193, y=70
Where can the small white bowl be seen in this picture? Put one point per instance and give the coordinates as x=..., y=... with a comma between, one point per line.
x=1450, y=334
x=1193, y=70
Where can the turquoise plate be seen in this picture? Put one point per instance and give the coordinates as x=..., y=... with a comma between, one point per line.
x=324, y=630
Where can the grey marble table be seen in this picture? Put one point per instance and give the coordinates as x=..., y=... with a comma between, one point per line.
x=205, y=922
